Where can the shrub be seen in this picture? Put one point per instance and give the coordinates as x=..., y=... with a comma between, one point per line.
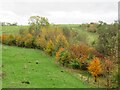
x=81, y=51
x=75, y=64
x=40, y=42
x=8, y=39
x=49, y=48
x=63, y=57
x=19, y=40
x=28, y=40
x=61, y=41
x=11, y=40
x=95, y=67
x=92, y=27
x=4, y=38
x=58, y=53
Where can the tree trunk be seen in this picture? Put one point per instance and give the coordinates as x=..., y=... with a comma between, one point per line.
x=108, y=80
x=95, y=79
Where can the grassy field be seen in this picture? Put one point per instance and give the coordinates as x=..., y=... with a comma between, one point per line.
x=21, y=71
x=12, y=29
x=30, y=68
x=85, y=36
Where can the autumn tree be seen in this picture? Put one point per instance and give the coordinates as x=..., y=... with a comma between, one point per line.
x=36, y=22
x=58, y=53
x=81, y=51
x=40, y=42
x=95, y=67
x=28, y=40
x=49, y=47
x=63, y=56
x=61, y=41
x=19, y=40
x=11, y=40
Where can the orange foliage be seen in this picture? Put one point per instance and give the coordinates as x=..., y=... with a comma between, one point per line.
x=81, y=51
x=58, y=53
x=95, y=67
x=3, y=38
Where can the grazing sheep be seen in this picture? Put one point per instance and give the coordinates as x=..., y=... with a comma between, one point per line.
x=37, y=62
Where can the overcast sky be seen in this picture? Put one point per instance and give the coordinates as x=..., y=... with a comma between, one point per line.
x=59, y=11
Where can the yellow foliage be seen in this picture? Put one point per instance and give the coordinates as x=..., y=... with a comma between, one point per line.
x=10, y=39
x=61, y=41
x=58, y=53
x=49, y=47
x=40, y=42
x=95, y=67
x=28, y=40
x=19, y=39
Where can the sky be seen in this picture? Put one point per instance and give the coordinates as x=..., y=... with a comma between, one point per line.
x=59, y=11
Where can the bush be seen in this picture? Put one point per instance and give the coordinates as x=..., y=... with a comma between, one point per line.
x=4, y=38
x=40, y=42
x=28, y=40
x=95, y=67
x=58, y=53
x=61, y=41
x=75, y=64
x=81, y=51
x=63, y=57
x=11, y=40
x=20, y=41
x=49, y=48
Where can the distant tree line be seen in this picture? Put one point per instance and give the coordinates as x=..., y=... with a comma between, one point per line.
x=8, y=24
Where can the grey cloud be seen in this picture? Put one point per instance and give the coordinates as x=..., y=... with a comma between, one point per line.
x=97, y=9
x=27, y=8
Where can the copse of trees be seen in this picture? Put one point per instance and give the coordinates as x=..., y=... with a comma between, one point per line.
x=108, y=40
x=8, y=24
